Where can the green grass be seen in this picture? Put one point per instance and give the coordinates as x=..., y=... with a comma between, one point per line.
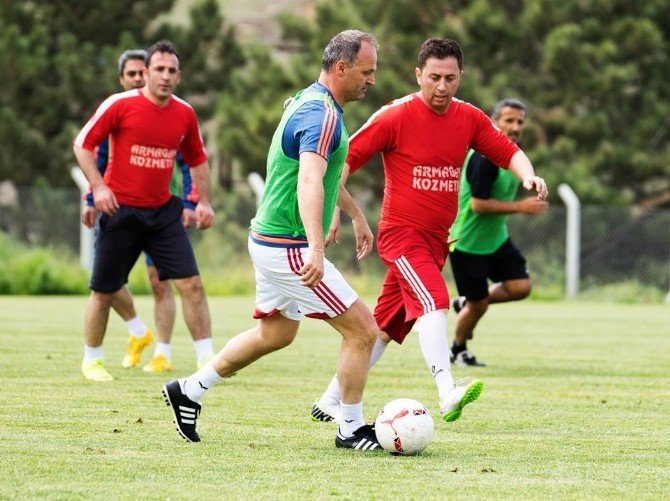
x=576, y=405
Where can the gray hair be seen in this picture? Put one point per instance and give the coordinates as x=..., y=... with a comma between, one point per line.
x=507, y=103
x=344, y=47
x=136, y=54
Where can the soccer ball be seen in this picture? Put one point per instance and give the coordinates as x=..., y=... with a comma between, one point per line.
x=404, y=426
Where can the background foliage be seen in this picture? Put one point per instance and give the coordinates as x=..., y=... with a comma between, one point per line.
x=594, y=73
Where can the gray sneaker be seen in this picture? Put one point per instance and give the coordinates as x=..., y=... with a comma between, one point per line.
x=458, y=303
x=466, y=359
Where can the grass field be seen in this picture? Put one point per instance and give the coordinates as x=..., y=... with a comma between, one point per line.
x=575, y=406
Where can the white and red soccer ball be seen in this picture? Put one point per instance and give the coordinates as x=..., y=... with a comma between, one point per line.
x=404, y=426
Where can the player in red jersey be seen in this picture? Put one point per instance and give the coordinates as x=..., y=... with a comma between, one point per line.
x=146, y=128
x=423, y=139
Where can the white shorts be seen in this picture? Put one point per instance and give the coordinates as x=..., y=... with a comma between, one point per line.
x=278, y=287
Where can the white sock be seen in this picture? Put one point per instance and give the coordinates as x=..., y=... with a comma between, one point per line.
x=204, y=349
x=333, y=393
x=91, y=354
x=164, y=349
x=197, y=384
x=136, y=327
x=352, y=418
x=377, y=351
x=435, y=348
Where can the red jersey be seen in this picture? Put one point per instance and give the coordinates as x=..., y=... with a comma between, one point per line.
x=144, y=140
x=423, y=153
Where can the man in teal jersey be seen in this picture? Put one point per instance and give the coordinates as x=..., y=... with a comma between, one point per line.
x=287, y=244
x=483, y=249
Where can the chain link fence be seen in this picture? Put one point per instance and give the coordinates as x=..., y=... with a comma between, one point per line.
x=618, y=245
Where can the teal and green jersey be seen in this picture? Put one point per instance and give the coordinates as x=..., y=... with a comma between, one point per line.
x=480, y=178
x=312, y=122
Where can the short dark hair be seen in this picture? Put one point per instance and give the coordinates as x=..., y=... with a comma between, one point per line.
x=507, y=103
x=345, y=46
x=161, y=46
x=441, y=48
x=131, y=54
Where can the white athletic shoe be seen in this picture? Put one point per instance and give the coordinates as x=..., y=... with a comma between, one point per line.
x=463, y=392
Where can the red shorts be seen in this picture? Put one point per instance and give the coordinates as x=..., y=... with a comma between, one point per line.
x=414, y=284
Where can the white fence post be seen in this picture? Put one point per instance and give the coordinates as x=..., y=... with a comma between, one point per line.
x=85, y=234
x=257, y=184
x=572, y=240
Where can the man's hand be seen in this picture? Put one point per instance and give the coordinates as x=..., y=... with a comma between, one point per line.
x=334, y=232
x=104, y=199
x=312, y=270
x=204, y=215
x=364, y=237
x=537, y=183
x=88, y=216
x=533, y=205
x=189, y=218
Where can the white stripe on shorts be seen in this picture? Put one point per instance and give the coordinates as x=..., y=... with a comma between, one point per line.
x=323, y=292
x=415, y=282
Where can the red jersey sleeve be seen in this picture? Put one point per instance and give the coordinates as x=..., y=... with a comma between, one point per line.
x=99, y=125
x=491, y=142
x=376, y=136
x=193, y=146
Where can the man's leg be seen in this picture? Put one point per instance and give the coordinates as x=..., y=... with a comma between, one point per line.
x=165, y=306
x=270, y=334
x=454, y=397
x=510, y=290
x=470, y=272
x=165, y=311
x=359, y=331
x=196, y=316
x=507, y=269
x=122, y=303
x=467, y=319
x=95, y=324
x=168, y=247
x=327, y=407
x=140, y=336
x=509, y=274
x=390, y=313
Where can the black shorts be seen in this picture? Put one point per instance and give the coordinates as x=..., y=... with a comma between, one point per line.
x=471, y=271
x=122, y=237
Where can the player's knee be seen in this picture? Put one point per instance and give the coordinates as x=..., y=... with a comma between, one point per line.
x=161, y=290
x=367, y=335
x=478, y=307
x=282, y=342
x=276, y=341
x=521, y=290
x=276, y=333
x=525, y=292
x=191, y=286
x=102, y=299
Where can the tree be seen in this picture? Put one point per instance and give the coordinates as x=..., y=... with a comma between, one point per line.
x=594, y=74
x=60, y=61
